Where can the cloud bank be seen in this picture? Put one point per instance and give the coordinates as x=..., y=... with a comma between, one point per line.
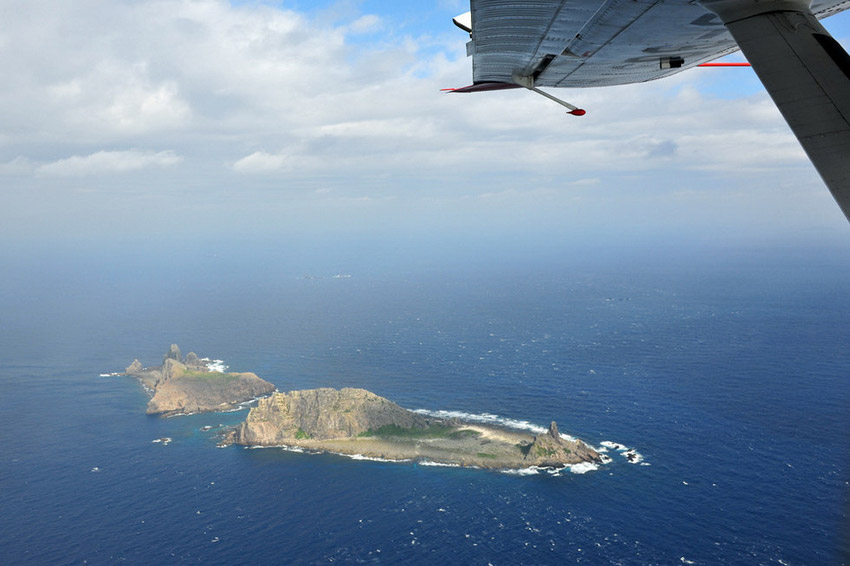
x=316, y=110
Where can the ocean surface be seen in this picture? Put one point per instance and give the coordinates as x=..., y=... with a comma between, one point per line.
x=728, y=373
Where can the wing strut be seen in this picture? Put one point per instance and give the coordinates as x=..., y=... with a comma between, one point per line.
x=574, y=110
x=528, y=82
x=806, y=72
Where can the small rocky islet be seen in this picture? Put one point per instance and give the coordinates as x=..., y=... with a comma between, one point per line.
x=183, y=386
x=347, y=421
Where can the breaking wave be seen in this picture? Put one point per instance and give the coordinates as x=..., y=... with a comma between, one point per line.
x=530, y=471
x=216, y=365
x=630, y=454
x=438, y=464
x=371, y=458
x=583, y=467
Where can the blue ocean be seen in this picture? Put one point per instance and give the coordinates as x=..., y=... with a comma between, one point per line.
x=726, y=370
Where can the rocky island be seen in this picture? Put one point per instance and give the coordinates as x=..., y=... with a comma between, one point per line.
x=356, y=421
x=182, y=386
x=346, y=421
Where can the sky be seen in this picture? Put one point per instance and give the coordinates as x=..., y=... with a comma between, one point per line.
x=308, y=121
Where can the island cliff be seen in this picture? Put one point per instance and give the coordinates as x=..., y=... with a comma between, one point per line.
x=356, y=421
x=188, y=385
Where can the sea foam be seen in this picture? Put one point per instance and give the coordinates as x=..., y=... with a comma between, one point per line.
x=630, y=454
x=438, y=464
x=372, y=458
x=582, y=468
x=215, y=365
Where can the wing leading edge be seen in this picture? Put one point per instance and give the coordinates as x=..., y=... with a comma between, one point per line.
x=589, y=43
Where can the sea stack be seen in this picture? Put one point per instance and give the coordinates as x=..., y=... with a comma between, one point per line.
x=551, y=449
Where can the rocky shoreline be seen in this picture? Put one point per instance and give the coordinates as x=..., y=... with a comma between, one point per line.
x=358, y=422
x=349, y=421
x=182, y=386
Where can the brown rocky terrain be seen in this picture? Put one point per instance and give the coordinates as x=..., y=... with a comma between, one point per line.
x=184, y=386
x=356, y=421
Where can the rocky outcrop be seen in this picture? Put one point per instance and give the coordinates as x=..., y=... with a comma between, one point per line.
x=551, y=449
x=173, y=353
x=189, y=392
x=322, y=414
x=192, y=361
x=135, y=367
x=188, y=386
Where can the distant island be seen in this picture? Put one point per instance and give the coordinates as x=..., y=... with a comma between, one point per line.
x=182, y=386
x=346, y=421
x=358, y=422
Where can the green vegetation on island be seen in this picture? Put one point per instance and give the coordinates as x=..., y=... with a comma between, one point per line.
x=347, y=421
x=356, y=421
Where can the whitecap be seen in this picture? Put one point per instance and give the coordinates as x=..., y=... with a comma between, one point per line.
x=440, y=464
x=113, y=374
x=530, y=471
x=296, y=449
x=630, y=454
x=371, y=458
x=215, y=365
x=582, y=468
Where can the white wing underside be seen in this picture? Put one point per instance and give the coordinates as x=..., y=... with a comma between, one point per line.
x=589, y=43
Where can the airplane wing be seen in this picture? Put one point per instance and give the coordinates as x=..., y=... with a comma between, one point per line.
x=591, y=43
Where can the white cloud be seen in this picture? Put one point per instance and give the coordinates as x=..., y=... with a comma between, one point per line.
x=17, y=166
x=279, y=93
x=369, y=23
x=105, y=162
x=262, y=162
